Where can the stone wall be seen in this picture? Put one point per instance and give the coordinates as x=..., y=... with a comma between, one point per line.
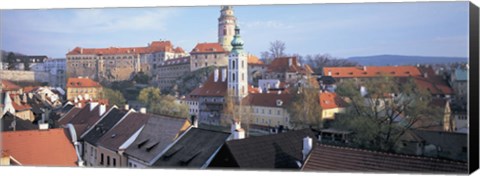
x=17, y=75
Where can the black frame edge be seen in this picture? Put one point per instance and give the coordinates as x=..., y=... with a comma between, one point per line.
x=474, y=88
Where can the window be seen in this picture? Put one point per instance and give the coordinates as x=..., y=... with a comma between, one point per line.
x=243, y=76
x=233, y=77
x=233, y=64
x=108, y=160
x=269, y=111
x=114, y=162
x=101, y=159
x=243, y=64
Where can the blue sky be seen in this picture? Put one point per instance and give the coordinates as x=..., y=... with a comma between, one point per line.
x=341, y=30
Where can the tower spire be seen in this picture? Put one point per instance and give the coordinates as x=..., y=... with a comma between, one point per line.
x=226, y=27
x=237, y=68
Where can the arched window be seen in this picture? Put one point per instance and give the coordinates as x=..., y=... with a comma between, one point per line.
x=233, y=77
x=233, y=64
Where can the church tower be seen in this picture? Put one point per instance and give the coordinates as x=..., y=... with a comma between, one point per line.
x=237, y=68
x=226, y=27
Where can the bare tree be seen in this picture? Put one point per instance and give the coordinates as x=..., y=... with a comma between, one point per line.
x=277, y=49
x=318, y=61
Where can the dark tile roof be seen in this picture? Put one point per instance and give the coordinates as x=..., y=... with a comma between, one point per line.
x=104, y=125
x=451, y=143
x=67, y=107
x=334, y=158
x=271, y=151
x=121, y=132
x=159, y=132
x=85, y=119
x=20, y=124
x=193, y=149
x=69, y=116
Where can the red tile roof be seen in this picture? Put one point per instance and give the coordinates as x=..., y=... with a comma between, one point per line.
x=30, y=88
x=252, y=59
x=329, y=100
x=267, y=99
x=155, y=46
x=21, y=106
x=371, y=71
x=40, y=147
x=282, y=65
x=212, y=88
x=432, y=82
x=208, y=48
x=9, y=86
x=343, y=159
x=82, y=82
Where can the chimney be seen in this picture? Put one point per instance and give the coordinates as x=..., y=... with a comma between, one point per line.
x=224, y=74
x=194, y=121
x=102, y=109
x=79, y=105
x=307, y=147
x=260, y=90
x=237, y=131
x=127, y=107
x=289, y=62
x=143, y=110
x=363, y=91
x=215, y=75
x=279, y=92
x=81, y=50
x=364, y=68
x=93, y=105
x=329, y=73
x=43, y=126
x=425, y=75
x=24, y=98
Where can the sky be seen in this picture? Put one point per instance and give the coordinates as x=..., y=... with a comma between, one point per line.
x=340, y=30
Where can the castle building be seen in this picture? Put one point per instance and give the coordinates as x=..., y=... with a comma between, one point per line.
x=208, y=54
x=170, y=70
x=117, y=64
x=216, y=53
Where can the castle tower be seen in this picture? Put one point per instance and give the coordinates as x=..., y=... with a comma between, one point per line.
x=226, y=27
x=237, y=68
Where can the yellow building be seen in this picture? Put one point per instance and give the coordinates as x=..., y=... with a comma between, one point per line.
x=83, y=87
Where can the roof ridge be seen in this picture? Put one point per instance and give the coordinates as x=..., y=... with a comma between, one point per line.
x=391, y=154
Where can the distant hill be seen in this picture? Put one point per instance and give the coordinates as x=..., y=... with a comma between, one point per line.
x=383, y=60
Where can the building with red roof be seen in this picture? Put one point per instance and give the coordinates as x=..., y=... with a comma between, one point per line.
x=331, y=104
x=8, y=86
x=208, y=54
x=50, y=147
x=83, y=87
x=287, y=69
x=120, y=63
